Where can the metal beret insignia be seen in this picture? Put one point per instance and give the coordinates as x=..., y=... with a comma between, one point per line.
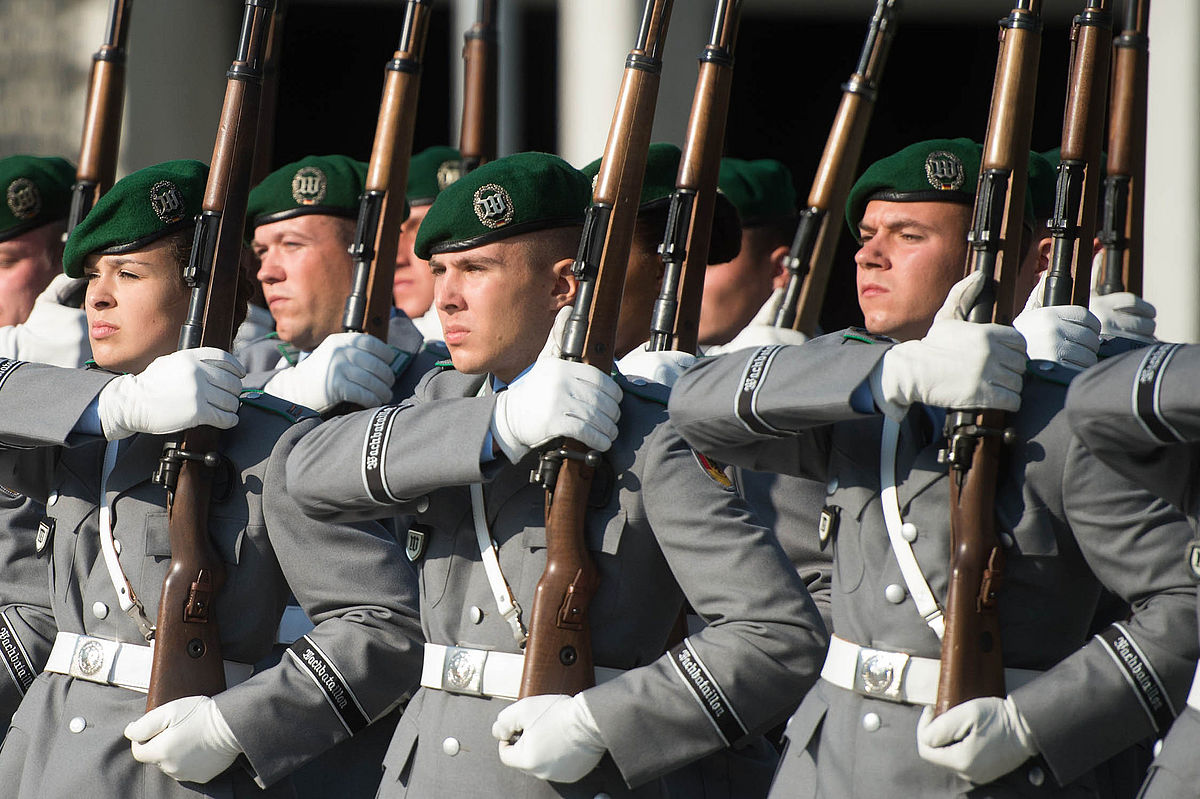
x=167, y=202
x=448, y=172
x=944, y=170
x=24, y=199
x=493, y=206
x=309, y=185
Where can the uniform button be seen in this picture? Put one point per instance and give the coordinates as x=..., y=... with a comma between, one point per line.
x=117, y=545
x=77, y=724
x=1036, y=776
x=895, y=593
x=1006, y=541
x=908, y=531
x=602, y=796
x=422, y=504
x=475, y=613
x=50, y=500
x=638, y=381
x=1045, y=366
x=99, y=610
x=832, y=485
x=451, y=746
x=1158, y=746
x=871, y=722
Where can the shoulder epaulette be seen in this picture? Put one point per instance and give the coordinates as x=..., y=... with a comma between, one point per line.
x=861, y=335
x=446, y=364
x=1051, y=372
x=257, y=398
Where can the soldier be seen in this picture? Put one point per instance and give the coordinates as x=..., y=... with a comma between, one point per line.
x=501, y=242
x=870, y=426
x=87, y=442
x=302, y=216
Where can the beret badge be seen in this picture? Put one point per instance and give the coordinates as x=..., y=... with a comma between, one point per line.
x=448, y=172
x=309, y=185
x=167, y=202
x=493, y=205
x=944, y=170
x=24, y=198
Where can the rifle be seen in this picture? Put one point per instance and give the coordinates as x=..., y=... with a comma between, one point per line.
x=972, y=665
x=187, y=649
x=810, y=258
x=558, y=656
x=1125, y=185
x=381, y=206
x=477, y=138
x=1073, y=225
x=684, y=248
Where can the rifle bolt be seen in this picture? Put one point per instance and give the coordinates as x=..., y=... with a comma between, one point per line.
x=195, y=648
x=567, y=656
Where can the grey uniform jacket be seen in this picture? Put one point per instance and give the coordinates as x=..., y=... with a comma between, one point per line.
x=66, y=738
x=1070, y=525
x=660, y=530
x=1139, y=413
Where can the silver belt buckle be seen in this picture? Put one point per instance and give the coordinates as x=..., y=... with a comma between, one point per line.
x=93, y=659
x=462, y=670
x=880, y=673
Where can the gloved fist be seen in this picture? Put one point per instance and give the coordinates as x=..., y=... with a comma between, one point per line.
x=1066, y=334
x=981, y=740
x=175, y=392
x=959, y=365
x=556, y=399
x=345, y=367
x=1124, y=315
x=62, y=290
x=761, y=331
x=558, y=737
x=187, y=738
x=655, y=366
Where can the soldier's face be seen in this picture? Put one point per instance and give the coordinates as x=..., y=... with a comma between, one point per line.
x=911, y=254
x=305, y=273
x=497, y=303
x=734, y=291
x=27, y=264
x=135, y=303
x=412, y=283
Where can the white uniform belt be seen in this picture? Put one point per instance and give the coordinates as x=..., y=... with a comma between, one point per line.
x=115, y=663
x=893, y=676
x=481, y=672
x=1193, y=698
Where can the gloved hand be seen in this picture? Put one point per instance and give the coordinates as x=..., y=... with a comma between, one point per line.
x=556, y=399
x=345, y=367
x=655, y=366
x=559, y=740
x=958, y=365
x=1124, y=314
x=760, y=332
x=981, y=740
x=54, y=333
x=175, y=392
x=187, y=738
x=62, y=289
x=1066, y=334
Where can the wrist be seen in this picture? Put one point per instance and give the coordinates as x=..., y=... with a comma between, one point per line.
x=884, y=388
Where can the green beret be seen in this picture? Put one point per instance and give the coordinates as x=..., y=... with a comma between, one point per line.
x=139, y=209
x=761, y=190
x=430, y=171
x=516, y=194
x=37, y=191
x=316, y=184
x=1043, y=176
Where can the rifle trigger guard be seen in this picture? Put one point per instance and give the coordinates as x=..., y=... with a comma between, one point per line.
x=546, y=474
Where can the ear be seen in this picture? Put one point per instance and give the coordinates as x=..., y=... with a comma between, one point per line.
x=1096, y=247
x=779, y=272
x=565, y=284
x=1045, y=246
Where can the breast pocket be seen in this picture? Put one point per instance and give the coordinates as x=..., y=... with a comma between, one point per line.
x=849, y=502
x=439, y=525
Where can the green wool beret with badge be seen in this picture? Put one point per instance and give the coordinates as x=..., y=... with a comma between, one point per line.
x=517, y=194
x=316, y=184
x=139, y=209
x=1043, y=180
x=430, y=171
x=37, y=191
x=761, y=190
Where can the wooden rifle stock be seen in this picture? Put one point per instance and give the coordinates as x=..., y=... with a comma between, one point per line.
x=810, y=257
x=558, y=655
x=477, y=137
x=972, y=661
x=1073, y=225
x=676, y=320
x=187, y=648
x=1121, y=233
x=381, y=206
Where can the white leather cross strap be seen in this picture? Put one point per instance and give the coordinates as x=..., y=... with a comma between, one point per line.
x=893, y=676
x=124, y=665
x=1193, y=697
x=480, y=672
x=506, y=603
x=125, y=595
x=910, y=569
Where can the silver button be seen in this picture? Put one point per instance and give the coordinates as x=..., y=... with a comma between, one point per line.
x=50, y=500
x=908, y=531
x=1036, y=776
x=451, y=746
x=1006, y=541
x=1045, y=366
x=638, y=381
x=117, y=545
x=99, y=610
x=1158, y=746
x=871, y=722
x=77, y=724
x=895, y=593
x=475, y=613
x=832, y=485
x=422, y=504
x=601, y=796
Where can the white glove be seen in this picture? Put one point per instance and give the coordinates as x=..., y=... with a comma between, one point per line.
x=556, y=399
x=655, y=366
x=1125, y=315
x=959, y=365
x=54, y=333
x=61, y=289
x=558, y=737
x=187, y=738
x=176, y=392
x=760, y=332
x=345, y=367
x=1066, y=334
x=981, y=740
